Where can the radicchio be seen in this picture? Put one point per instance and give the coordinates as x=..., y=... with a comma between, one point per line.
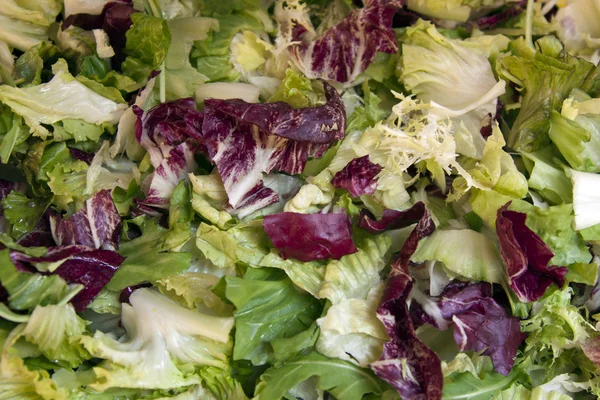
x=97, y=225
x=480, y=323
x=358, y=177
x=345, y=50
x=115, y=20
x=167, y=125
x=509, y=11
x=525, y=256
x=245, y=140
x=78, y=264
x=391, y=219
x=172, y=170
x=309, y=237
x=407, y=363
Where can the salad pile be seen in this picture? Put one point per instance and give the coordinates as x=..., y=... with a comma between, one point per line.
x=299, y=199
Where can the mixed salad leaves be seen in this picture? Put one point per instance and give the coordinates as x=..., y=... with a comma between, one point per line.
x=299, y=199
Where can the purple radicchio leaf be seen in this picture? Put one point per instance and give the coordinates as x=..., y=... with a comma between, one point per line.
x=167, y=125
x=525, y=256
x=97, y=225
x=391, y=219
x=78, y=264
x=502, y=15
x=358, y=177
x=245, y=140
x=309, y=237
x=480, y=323
x=82, y=155
x=346, y=50
x=172, y=170
x=591, y=349
x=115, y=20
x=407, y=363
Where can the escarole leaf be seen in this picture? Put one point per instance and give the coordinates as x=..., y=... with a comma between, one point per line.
x=547, y=75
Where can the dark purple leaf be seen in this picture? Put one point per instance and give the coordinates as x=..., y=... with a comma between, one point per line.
x=128, y=291
x=391, y=219
x=41, y=235
x=480, y=323
x=92, y=269
x=309, y=237
x=167, y=125
x=78, y=264
x=320, y=125
x=246, y=140
x=526, y=257
x=115, y=20
x=98, y=225
x=139, y=208
x=404, y=18
x=358, y=177
x=172, y=170
x=82, y=155
x=504, y=14
x=489, y=328
x=345, y=50
x=406, y=363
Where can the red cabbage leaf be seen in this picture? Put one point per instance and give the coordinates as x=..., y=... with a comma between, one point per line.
x=525, y=256
x=309, y=237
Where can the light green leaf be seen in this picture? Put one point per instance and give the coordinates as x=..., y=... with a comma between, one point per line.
x=464, y=252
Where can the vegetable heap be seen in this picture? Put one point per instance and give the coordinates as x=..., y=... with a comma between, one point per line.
x=299, y=199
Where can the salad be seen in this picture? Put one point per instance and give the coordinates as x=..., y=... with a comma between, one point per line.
x=299, y=199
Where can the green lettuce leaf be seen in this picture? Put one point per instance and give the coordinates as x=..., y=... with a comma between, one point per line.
x=56, y=330
x=547, y=76
x=245, y=243
x=351, y=330
x=211, y=56
x=345, y=381
x=193, y=289
x=24, y=24
x=22, y=212
x=464, y=252
x=147, y=44
x=61, y=98
x=547, y=177
x=28, y=290
x=266, y=310
x=554, y=226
